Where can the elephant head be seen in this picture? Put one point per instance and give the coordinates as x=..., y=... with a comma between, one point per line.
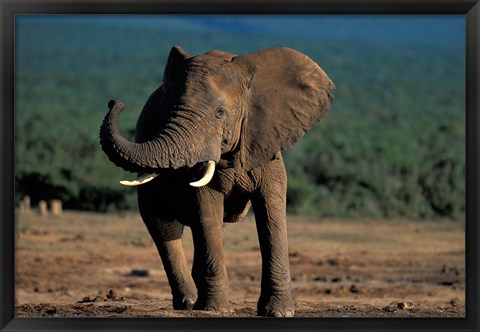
x=221, y=110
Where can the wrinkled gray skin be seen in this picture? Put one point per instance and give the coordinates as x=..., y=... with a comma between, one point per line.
x=239, y=111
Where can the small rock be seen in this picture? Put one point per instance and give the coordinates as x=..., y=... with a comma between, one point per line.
x=336, y=279
x=323, y=279
x=112, y=294
x=448, y=282
x=116, y=309
x=389, y=308
x=51, y=311
x=350, y=307
x=404, y=305
x=354, y=289
x=87, y=299
x=140, y=273
x=333, y=261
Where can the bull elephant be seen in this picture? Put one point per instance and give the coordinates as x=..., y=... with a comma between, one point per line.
x=207, y=147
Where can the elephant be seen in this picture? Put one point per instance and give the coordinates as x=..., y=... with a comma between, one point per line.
x=208, y=146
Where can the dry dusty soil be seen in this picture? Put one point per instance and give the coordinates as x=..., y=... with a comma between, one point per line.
x=98, y=265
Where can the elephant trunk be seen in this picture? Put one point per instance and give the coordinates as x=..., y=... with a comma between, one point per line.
x=161, y=152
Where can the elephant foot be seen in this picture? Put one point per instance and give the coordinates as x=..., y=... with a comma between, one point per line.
x=218, y=304
x=185, y=303
x=276, y=305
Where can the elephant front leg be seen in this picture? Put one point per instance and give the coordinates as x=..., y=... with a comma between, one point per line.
x=270, y=215
x=154, y=204
x=209, y=271
x=167, y=237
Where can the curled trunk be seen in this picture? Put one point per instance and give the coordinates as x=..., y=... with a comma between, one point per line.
x=160, y=152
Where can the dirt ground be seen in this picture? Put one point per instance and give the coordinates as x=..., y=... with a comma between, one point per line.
x=98, y=265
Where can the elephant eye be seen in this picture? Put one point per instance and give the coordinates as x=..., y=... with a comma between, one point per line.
x=221, y=112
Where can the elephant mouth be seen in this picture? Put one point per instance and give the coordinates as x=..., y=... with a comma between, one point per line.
x=202, y=174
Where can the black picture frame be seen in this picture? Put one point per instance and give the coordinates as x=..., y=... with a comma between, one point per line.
x=10, y=8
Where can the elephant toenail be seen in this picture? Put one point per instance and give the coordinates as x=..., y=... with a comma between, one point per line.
x=289, y=314
x=210, y=309
x=276, y=314
x=188, y=303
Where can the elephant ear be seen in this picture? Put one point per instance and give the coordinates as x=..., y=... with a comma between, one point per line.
x=289, y=94
x=175, y=60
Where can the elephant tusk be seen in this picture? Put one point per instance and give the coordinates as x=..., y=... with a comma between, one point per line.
x=207, y=176
x=144, y=178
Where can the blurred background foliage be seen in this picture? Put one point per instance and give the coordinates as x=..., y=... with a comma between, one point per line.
x=392, y=146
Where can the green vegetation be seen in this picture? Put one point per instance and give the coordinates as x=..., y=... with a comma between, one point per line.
x=392, y=145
